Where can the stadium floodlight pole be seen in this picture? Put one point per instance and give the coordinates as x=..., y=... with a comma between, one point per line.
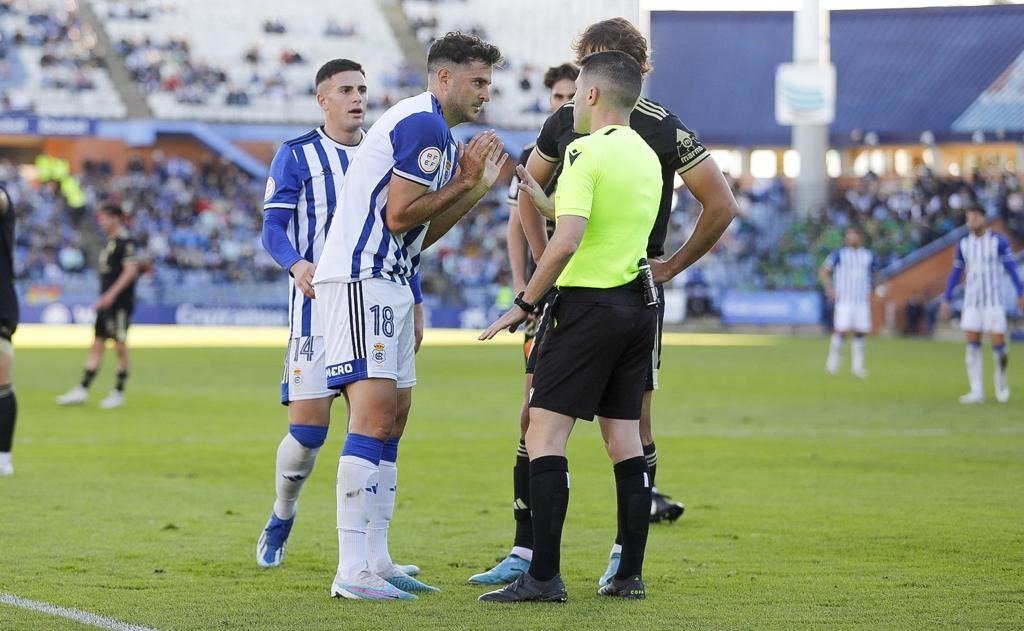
x=810, y=140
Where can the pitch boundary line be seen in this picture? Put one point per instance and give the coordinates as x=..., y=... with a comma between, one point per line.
x=83, y=617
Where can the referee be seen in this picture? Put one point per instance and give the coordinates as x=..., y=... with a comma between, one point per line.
x=597, y=356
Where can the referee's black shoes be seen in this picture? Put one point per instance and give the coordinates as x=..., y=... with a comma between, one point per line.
x=664, y=508
x=528, y=589
x=632, y=587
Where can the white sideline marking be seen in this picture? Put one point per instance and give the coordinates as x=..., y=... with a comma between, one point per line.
x=83, y=617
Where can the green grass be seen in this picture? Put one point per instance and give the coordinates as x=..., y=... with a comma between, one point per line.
x=811, y=501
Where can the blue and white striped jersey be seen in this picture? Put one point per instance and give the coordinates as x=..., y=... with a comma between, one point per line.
x=984, y=259
x=851, y=274
x=411, y=140
x=306, y=178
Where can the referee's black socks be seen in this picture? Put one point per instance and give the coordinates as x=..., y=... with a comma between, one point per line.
x=8, y=416
x=521, y=505
x=549, y=495
x=633, y=491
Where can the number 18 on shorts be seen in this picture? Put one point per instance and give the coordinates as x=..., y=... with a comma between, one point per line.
x=368, y=330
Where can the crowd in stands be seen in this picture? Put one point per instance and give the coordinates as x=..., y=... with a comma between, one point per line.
x=770, y=247
x=64, y=46
x=203, y=220
x=188, y=219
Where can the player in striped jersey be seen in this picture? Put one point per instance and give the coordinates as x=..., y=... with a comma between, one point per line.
x=985, y=256
x=305, y=182
x=846, y=276
x=410, y=184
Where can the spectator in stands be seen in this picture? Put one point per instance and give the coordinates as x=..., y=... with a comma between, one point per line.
x=275, y=27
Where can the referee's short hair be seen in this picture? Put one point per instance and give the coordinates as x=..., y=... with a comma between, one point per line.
x=618, y=75
x=335, y=66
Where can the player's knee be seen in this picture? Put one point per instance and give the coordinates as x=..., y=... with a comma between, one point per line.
x=6, y=349
x=309, y=436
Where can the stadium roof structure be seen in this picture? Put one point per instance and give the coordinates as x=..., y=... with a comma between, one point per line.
x=953, y=71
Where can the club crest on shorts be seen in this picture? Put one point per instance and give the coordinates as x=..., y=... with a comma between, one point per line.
x=378, y=353
x=297, y=376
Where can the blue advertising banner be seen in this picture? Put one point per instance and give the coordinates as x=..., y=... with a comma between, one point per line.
x=771, y=307
x=46, y=126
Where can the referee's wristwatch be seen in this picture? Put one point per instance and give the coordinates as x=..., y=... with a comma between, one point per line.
x=525, y=306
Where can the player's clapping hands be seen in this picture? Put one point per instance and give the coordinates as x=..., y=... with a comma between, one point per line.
x=303, y=272
x=481, y=160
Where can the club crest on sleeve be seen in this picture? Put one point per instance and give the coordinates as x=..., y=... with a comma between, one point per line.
x=429, y=160
x=271, y=187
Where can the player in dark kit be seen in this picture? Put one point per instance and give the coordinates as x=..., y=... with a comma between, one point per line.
x=8, y=323
x=118, y=270
x=680, y=152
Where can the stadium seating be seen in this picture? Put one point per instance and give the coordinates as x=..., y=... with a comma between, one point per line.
x=53, y=65
x=521, y=100
x=166, y=44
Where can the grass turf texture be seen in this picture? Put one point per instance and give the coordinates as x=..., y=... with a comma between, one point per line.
x=811, y=501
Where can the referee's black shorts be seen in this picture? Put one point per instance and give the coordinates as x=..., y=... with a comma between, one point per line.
x=597, y=353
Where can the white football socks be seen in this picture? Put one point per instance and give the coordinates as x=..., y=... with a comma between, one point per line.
x=974, y=368
x=355, y=476
x=858, y=354
x=381, y=509
x=999, y=373
x=835, y=349
x=294, y=464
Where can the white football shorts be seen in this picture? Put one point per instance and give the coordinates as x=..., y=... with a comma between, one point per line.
x=983, y=320
x=368, y=331
x=852, y=316
x=304, y=376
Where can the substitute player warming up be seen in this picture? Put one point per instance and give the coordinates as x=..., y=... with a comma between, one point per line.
x=985, y=256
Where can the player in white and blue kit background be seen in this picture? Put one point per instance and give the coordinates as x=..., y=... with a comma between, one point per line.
x=986, y=258
x=303, y=190
x=410, y=184
x=846, y=275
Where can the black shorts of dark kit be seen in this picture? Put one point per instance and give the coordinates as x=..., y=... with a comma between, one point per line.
x=113, y=323
x=7, y=329
x=597, y=353
x=542, y=329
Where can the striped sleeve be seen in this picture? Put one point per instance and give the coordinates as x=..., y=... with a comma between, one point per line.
x=284, y=185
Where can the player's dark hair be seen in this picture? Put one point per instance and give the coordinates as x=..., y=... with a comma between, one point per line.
x=614, y=34
x=112, y=209
x=335, y=66
x=557, y=73
x=975, y=208
x=619, y=74
x=461, y=48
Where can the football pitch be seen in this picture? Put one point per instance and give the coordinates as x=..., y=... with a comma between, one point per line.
x=812, y=501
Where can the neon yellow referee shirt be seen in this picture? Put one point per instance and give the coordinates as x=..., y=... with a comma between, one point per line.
x=612, y=178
